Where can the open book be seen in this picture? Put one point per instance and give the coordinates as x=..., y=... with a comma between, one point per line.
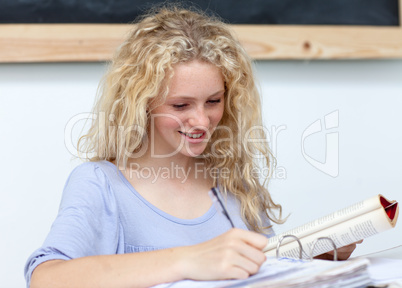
x=344, y=227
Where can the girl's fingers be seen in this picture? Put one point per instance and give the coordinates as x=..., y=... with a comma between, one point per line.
x=239, y=267
x=235, y=254
x=252, y=238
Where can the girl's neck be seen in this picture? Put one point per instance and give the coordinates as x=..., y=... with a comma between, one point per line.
x=177, y=166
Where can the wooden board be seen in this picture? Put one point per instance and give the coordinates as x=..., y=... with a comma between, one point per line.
x=96, y=42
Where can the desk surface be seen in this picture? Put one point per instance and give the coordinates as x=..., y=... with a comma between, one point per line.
x=385, y=267
x=392, y=253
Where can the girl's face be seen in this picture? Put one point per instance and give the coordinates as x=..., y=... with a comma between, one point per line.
x=192, y=110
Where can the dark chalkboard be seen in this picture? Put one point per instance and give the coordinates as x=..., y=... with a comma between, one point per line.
x=283, y=12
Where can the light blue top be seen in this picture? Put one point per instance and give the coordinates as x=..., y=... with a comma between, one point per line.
x=101, y=213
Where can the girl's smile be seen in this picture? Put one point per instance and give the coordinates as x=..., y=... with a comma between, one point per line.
x=194, y=137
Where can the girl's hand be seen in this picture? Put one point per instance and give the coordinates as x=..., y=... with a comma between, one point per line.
x=343, y=252
x=236, y=254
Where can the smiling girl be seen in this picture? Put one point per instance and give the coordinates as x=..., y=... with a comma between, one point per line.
x=179, y=97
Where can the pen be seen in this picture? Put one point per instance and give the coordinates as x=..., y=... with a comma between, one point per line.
x=216, y=198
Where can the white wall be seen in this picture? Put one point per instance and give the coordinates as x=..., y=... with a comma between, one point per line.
x=37, y=101
x=367, y=96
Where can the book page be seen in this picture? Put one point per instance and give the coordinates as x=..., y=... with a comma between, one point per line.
x=342, y=234
x=335, y=218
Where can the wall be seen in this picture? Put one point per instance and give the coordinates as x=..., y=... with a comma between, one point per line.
x=364, y=99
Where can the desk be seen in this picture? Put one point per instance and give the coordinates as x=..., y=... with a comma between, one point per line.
x=386, y=267
x=391, y=253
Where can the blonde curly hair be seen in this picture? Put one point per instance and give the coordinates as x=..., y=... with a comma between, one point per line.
x=139, y=76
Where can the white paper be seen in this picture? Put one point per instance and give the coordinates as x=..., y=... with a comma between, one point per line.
x=384, y=270
x=292, y=272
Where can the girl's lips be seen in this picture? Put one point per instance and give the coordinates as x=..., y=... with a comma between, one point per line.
x=194, y=137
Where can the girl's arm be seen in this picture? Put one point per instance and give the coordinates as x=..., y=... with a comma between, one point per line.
x=235, y=254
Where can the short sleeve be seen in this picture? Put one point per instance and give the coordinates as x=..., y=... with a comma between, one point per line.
x=87, y=223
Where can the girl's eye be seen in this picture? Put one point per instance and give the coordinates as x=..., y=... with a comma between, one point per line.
x=178, y=106
x=215, y=101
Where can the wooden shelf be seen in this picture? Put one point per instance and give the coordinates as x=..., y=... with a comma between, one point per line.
x=96, y=42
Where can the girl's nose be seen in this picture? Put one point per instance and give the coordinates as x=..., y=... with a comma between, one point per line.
x=199, y=118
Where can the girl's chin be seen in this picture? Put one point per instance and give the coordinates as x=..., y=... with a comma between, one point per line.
x=186, y=151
